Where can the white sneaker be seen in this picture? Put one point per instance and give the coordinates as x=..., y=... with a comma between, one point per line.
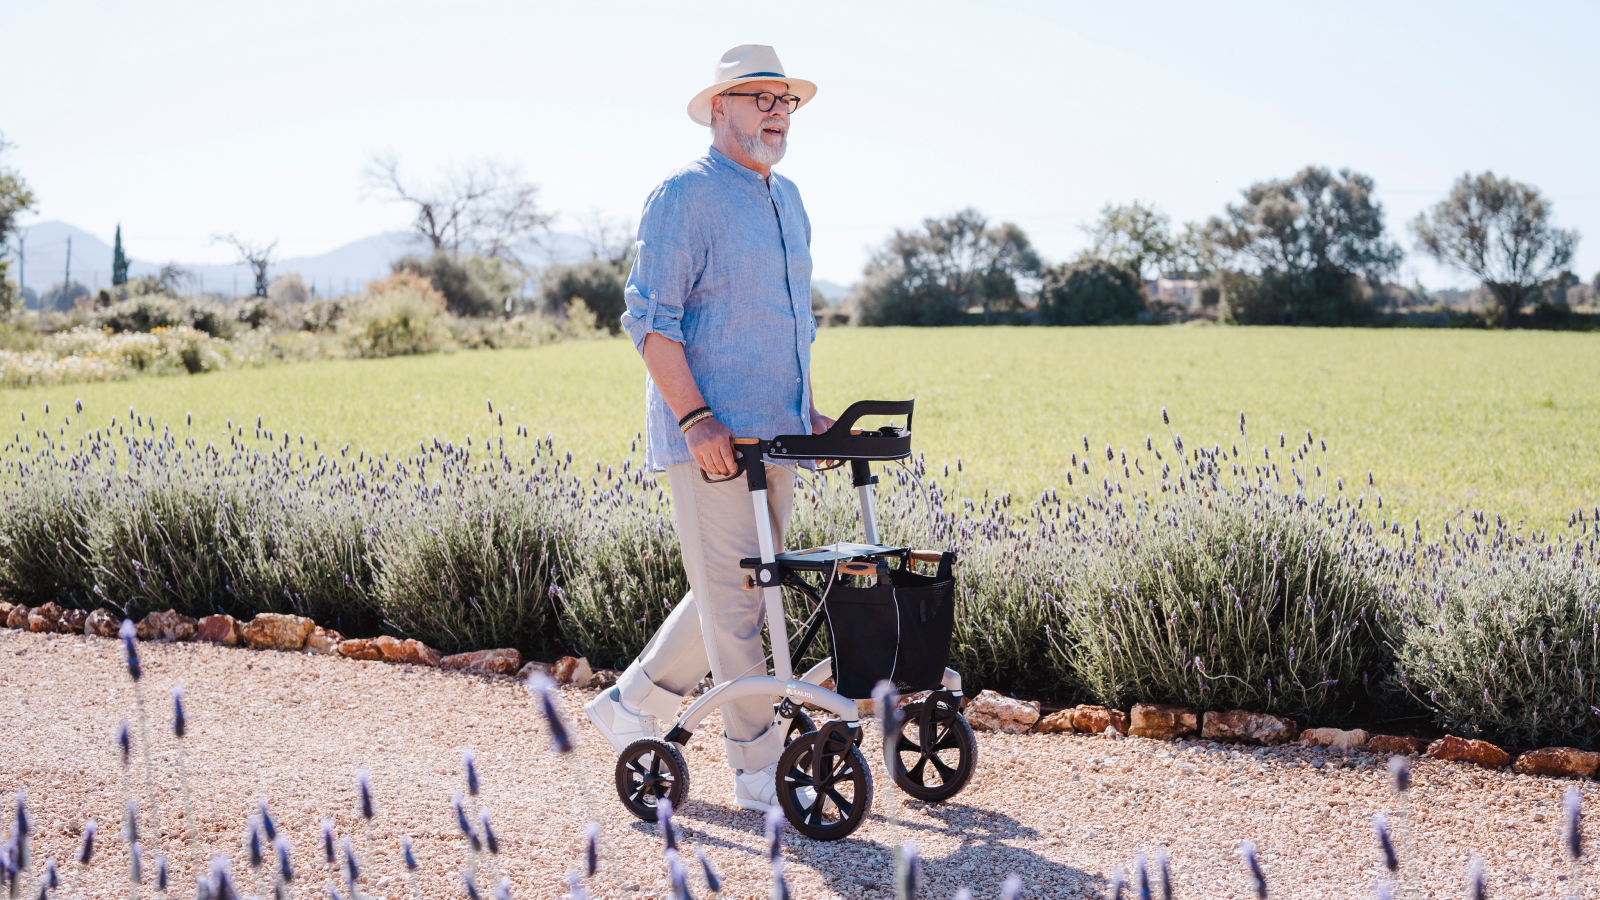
x=618, y=726
x=758, y=791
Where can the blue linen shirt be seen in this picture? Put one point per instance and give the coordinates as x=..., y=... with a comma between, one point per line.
x=724, y=268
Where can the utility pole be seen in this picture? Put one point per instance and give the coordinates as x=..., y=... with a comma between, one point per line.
x=66, y=283
x=22, y=264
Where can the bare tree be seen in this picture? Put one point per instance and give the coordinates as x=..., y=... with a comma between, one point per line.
x=610, y=239
x=486, y=206
x=1498, y=231
x=257, y=256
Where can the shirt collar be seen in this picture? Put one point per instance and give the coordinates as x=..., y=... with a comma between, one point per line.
x=717, y=156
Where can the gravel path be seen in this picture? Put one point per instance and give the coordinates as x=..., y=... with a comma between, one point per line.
x=1063, y=811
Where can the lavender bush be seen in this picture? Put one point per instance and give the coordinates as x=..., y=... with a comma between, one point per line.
x=1498, y=634
x=1229, y=576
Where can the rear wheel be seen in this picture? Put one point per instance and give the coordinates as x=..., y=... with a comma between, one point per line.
x=648, y=771
x=824, y=801
x=937, y=751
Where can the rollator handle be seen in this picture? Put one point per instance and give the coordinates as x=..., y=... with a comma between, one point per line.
x=857, y=568
x=928, y=556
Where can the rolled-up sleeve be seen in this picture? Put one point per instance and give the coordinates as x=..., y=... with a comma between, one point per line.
x=665, y=268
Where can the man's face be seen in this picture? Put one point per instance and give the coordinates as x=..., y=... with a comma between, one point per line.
x=762, y=135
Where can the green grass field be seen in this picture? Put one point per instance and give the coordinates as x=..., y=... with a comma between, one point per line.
x=1447, y=420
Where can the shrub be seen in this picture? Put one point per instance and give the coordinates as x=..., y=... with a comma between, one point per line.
x=474, y=286
x=1223, y=598
x=47, y=539
x=401, y=315
x=146, y=313
x=1499, y=638
x=620, y=566
x=1327, y=297
x=1092, y=292
x=288, y=290
x=473, y=570
x=596, y=282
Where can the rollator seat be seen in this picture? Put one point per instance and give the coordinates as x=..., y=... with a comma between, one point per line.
x=823, y=559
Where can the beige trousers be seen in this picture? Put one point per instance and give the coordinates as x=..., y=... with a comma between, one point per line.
x=716, y=627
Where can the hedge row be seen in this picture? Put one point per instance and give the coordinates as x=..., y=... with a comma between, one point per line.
x=1195, y=575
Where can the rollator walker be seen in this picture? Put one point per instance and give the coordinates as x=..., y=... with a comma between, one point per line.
x=885, y=621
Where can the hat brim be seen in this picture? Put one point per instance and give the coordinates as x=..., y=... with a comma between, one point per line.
x=700, y=106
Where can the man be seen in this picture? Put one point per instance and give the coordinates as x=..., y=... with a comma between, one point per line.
x=719, y=306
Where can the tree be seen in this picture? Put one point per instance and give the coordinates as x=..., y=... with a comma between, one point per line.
x=595, y=281
x=1498, y=231
x=15, y=196
x=485, y=206
x=1308, y=239
x=933, y=276
x=257, y=256
x=1135, y=236
x=1090, y=292
x=119, y=261
x=610, y=239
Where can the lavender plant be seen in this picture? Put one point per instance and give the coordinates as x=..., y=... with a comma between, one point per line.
x=1498, y=635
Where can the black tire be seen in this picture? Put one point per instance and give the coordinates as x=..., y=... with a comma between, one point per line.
x=933, y=767
x=649, y=770
x=799, y=725
x=843, y=794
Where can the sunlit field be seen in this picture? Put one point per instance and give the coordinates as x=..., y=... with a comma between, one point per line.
x=1446, y=420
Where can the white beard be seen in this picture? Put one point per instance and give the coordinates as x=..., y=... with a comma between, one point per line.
x=758, y=149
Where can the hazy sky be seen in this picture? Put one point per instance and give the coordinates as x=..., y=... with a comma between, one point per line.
x=181, y=120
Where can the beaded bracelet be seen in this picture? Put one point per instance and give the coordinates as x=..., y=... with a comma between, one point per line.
x=694, y=418
x=691, y=414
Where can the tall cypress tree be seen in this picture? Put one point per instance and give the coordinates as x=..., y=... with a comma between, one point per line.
x=119, y=262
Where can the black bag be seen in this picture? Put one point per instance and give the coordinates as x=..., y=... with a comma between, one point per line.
x=897, y=629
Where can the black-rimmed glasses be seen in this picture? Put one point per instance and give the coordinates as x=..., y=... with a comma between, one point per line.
x=765, y=100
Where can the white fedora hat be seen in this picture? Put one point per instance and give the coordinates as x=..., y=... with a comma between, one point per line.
x=746, y=62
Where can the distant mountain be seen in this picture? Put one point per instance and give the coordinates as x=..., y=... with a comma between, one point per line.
x=341, y=270
x=835, y=293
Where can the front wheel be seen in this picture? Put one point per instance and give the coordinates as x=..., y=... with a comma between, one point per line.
x=827, y=799
x=937, y=751
x=648, y=771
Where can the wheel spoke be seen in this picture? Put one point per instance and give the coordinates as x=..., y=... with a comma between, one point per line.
x=844, y=805
x=945, y=771
x=916, y=771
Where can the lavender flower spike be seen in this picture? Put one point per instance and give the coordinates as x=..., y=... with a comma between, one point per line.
x=774, y=834
x=490, y=839
x=1115, y=891
x=1011, y=888
x=1572, y=824
x=51, y=879
x=543, y=688
x=328, y=852
x=266, y=820
x=502, y=891
x=472, y=889
x=961, y=894
x=285, y=869
x=161, y=873
x=124, y=742
x=86, y=849
x=677, y=877
x=1399, y=774
x=136, y=864
x=469, y=764
x=1380, y=825
x=911, y=873
x=130, y=644
x=886, y=701
x=1475, y=879
x=664, y=819
x=713, y=882
x=1142, y=873
x=462, y=823
x=407, y=854
x=179, y=723
x=253, y=843
x=1258, y=881
x=575, y=887
x=591, y=848
x=364, y=804
x=1166, y=875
